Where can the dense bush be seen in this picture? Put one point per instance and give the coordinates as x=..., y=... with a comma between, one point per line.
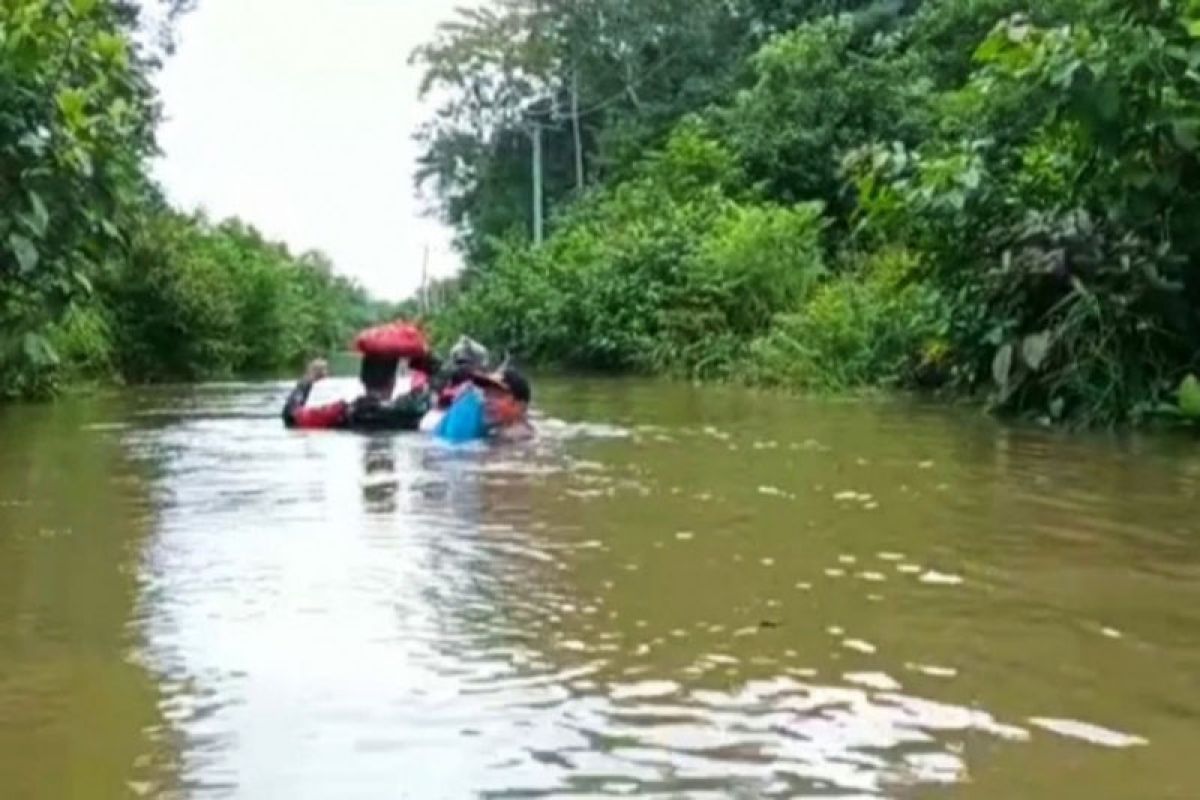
x=1053, y=208
x=196, y=300
x=671, y=270
x=876, y=323
x=83, y=342
x=792, y=140
x=76, y=121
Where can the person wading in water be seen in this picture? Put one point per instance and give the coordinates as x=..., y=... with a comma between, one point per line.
x=382, y=349
x=504, y=395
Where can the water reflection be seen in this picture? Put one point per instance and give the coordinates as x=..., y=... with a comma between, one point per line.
x=712, y=604
x=380, y=482
x=78, y=714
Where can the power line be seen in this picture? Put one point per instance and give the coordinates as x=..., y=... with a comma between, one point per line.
x=558, y=110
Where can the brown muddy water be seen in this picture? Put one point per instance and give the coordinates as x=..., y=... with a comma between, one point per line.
x=674, y=592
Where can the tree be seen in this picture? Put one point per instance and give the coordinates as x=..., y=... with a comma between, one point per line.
x=603, y=80
x=76, y=126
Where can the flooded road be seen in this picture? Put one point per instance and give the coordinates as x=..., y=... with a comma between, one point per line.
x=674, y=592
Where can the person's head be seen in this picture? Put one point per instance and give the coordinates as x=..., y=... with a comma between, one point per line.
x=507, y=395
x=378, y=375
x=468, y=354
x=427, y=363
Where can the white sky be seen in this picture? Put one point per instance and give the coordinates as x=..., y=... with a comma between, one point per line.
x=297, y=115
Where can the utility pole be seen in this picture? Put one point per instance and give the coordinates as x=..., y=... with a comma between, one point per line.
x=425, y=282
x=534, y=20
x=575, y=128
x=537, y=183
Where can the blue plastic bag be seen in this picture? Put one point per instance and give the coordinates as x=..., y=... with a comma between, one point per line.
x=464, y=421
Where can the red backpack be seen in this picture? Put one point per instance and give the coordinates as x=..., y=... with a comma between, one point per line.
x=398, y=339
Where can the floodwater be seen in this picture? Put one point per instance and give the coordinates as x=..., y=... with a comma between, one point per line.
x=674, y=592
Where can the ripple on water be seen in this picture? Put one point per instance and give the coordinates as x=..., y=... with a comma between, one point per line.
x=1093, y=734
x=330, y=612
x=935, y=578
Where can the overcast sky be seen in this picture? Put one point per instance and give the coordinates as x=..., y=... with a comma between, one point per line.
x=298, y=115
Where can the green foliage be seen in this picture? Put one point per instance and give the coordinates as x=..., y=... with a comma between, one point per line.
x=83, y=341
x=670, y=270
x=1052, y=206
x=874, y=323
x=76, y=122
x=175, y=306
x=1189, y=397
x=760, y=259
x=590, y=298
x=625, y=72
x=792, y=138
x=969, y=194
x=1011, y=194
x=198, y=300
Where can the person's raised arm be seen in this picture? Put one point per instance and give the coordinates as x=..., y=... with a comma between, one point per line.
x=297, y=415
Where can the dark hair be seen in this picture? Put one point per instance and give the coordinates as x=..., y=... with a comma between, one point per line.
x=517, y=385
x=428, y=363
x=378, y=372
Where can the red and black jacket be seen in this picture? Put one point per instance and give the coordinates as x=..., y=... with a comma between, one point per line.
x=366, y=413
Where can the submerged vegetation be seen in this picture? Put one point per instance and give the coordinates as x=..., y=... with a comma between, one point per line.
x=98, y=277
x=981, y=197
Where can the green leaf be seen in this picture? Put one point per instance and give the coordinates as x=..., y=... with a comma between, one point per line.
x=84, y=282
x=24, y=251
x=1002, y=365
x=33, y=142
x=971, y=177
x=39, y=217
x=72, y=103
x=111, y=48
x=83, y=7
x=1034, y=349
x=990, y=49
x=1193, y=28
x=83, y=162
x=1186, y=133
x=110, y=229
x=119, y=110
x=31, y=345
x=1064, y=76
x=1189, y=397
x=39, y=351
